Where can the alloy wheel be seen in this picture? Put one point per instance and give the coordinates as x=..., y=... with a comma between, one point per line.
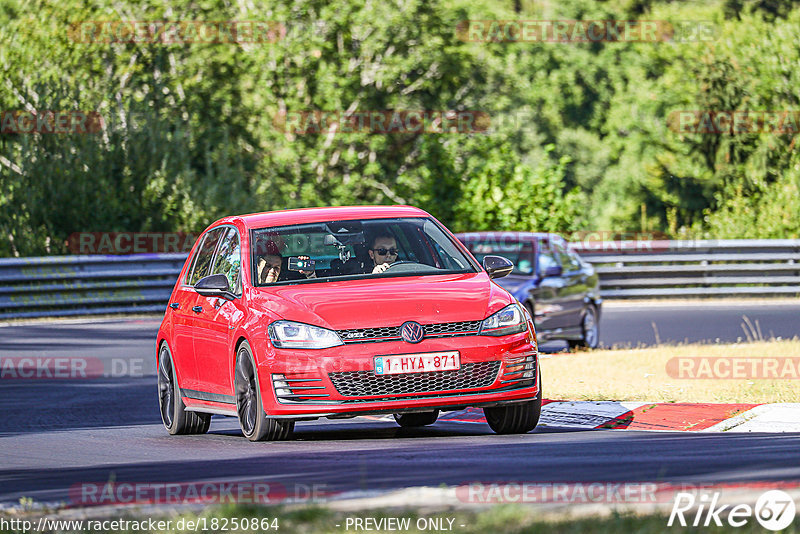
x=165, y=387
x=246, y=393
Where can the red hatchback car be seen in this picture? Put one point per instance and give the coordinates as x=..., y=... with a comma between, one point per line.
x=338, y=312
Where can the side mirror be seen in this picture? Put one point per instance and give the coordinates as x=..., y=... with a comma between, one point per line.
x=215, y=285
x=552, y=271
x=497, y=266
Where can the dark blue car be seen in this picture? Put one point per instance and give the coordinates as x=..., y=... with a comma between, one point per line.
x=560, y=290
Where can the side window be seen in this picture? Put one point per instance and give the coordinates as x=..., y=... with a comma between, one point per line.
x=202, y=261
x=576, y=261
x=525, y=259
x=445, y=249
x=547, y=258
x=568, y=261
x=229, y=259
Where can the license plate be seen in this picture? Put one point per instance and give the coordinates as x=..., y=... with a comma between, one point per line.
x=417, y=363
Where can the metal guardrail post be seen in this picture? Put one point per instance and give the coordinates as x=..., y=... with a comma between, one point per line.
x=701, y=268
x=85, y=285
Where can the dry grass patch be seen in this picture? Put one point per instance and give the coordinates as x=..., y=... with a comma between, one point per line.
x=642, y=374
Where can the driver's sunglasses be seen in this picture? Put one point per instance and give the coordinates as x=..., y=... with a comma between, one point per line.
x=386, y=251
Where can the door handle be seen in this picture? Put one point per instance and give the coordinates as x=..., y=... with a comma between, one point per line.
x=197, y=309
x=175, y=305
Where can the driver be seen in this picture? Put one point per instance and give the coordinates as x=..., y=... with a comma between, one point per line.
x=383, y=252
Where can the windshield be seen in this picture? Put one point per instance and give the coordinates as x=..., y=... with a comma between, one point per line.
x=518, y=252
x=354, y=249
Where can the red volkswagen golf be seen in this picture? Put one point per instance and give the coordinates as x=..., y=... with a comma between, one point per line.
x=338, y=312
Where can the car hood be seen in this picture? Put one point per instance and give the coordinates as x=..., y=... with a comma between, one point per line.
x=377, y=302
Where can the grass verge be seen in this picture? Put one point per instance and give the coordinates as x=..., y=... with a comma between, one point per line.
x=642, y=374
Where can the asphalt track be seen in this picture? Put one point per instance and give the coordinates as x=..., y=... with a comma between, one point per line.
x=57, y=434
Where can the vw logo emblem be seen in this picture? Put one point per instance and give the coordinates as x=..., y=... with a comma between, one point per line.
x=412, y=332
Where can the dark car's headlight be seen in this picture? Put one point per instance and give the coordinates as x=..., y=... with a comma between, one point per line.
x=509, y=320
x=291, y=335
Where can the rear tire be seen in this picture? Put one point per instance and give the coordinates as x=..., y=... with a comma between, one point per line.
x=590, y=330
x=411, y=420
x=255, y=424
x=516, y=418
x=173, y=411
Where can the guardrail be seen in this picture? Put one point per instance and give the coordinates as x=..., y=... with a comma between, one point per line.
x=84, y=285
x=702, y=268
x=141, y=283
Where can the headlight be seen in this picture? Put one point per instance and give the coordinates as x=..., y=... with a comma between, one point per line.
x=509, y=320
x=291, y=335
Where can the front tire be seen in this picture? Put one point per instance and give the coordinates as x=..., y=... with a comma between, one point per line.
x=516, y=418
x=255, y=424
x=173, y=411
x=411, y=420
x=590, y=330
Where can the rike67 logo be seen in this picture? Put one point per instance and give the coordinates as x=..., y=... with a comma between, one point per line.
x=774, y=510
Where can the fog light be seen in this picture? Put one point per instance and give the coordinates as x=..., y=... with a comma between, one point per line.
x=280, y=385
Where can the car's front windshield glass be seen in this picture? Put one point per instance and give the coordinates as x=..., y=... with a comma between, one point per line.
x=518, y=251
x=354, y=249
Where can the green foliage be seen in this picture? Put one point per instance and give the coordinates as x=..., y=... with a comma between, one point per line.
x=579, y=139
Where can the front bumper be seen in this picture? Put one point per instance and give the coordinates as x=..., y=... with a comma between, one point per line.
x=340, y=381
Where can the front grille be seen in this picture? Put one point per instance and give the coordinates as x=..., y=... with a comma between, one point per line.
x=466, y=327
x=361, y=335
x=366, y=383
x=392, y=333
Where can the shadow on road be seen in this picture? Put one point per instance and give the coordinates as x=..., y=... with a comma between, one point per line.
x=62, y=405
x=539, y=457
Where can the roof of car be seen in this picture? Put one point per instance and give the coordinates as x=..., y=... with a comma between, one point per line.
x=312, y=215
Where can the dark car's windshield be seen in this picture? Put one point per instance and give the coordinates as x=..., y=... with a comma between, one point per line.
x=517, y=251
x=354, y=249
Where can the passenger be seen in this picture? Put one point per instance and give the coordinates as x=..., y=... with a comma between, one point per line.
x=269, y=268
x=383, y=252
x=272, y=263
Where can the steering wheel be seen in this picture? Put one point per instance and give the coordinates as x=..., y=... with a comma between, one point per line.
x=406, y=266
x=401, y=262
